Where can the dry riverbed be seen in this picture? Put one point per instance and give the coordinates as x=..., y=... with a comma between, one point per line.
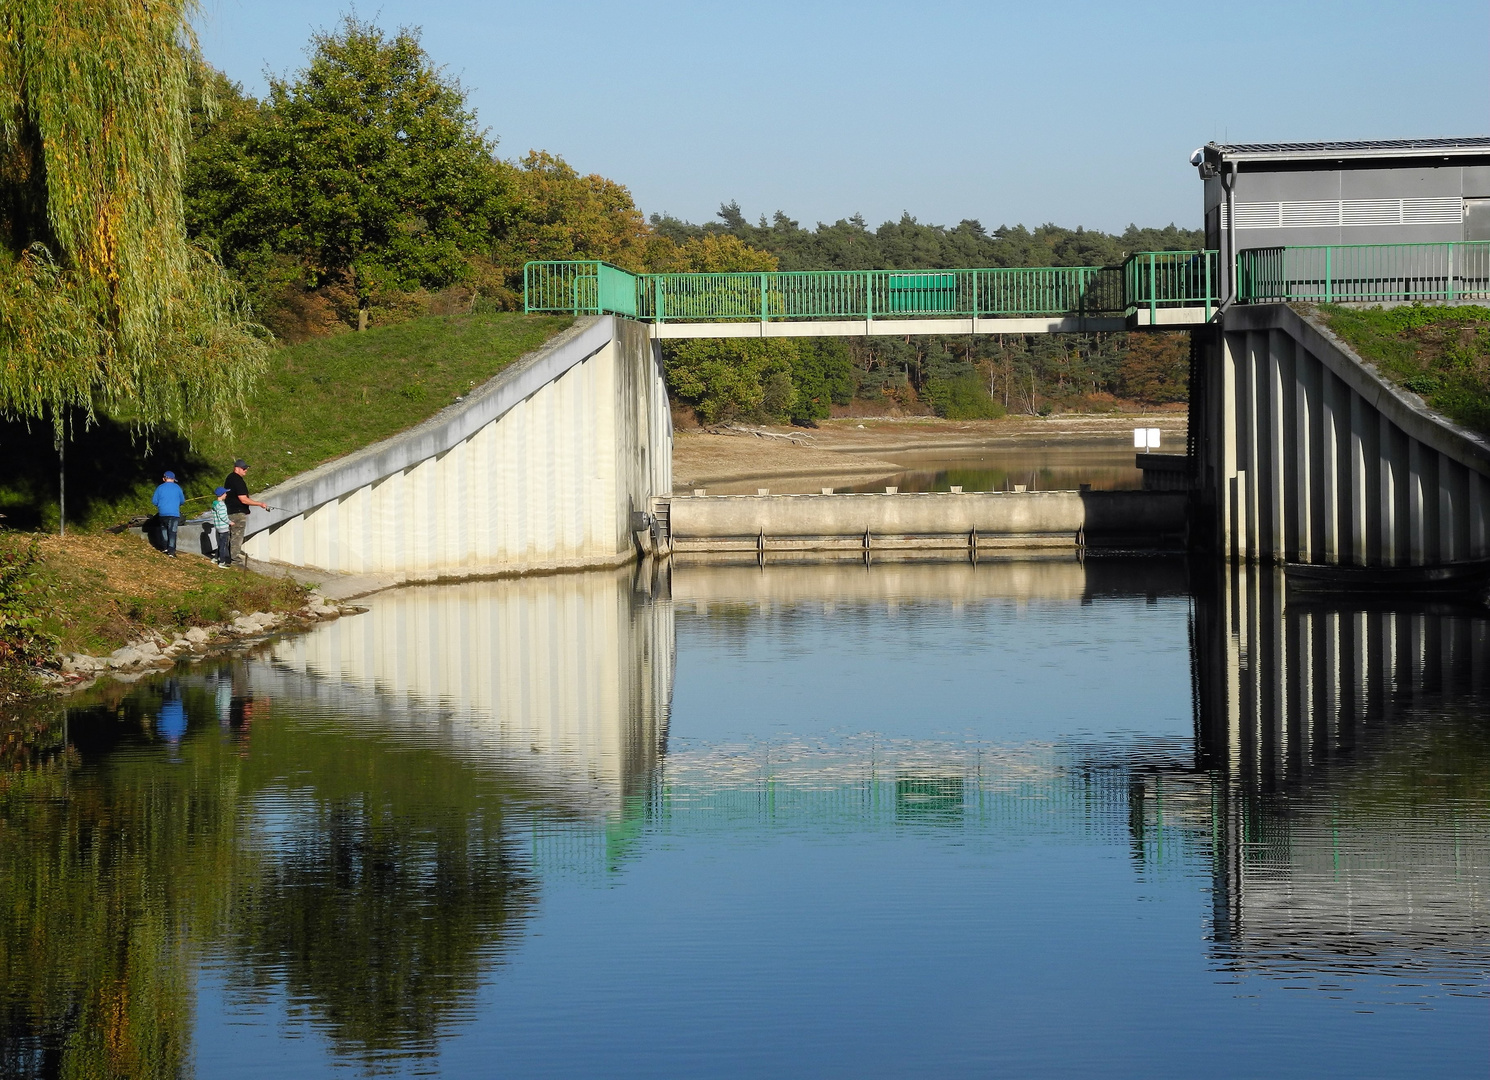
x=853, y=450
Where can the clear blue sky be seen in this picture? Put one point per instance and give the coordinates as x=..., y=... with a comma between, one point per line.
x=1078, y=112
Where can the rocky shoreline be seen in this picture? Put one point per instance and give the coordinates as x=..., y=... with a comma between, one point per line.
x=155, y=652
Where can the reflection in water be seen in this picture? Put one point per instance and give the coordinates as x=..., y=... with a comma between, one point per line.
x=1348, y=762
x=350, y=829
x=565, y=679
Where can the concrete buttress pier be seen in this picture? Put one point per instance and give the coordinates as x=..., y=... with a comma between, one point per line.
x=543, y=467
x=1305, y=453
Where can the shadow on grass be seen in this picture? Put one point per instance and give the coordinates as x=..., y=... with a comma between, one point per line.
x=111, y=472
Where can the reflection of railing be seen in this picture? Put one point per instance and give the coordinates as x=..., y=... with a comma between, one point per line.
x=1355, y=273
x=592, y=287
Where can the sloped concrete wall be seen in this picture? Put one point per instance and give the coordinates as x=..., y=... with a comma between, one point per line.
x=1306, y=454
x=539, y=468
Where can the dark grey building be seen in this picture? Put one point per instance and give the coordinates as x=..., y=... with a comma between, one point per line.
x=1392, y=191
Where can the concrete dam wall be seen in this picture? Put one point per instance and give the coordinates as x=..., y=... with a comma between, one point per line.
x=1306, y=454
x=930, y=520
x=540, y=468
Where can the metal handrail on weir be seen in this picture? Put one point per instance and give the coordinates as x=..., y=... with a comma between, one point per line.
x=1365, y=273
x=1149, y=279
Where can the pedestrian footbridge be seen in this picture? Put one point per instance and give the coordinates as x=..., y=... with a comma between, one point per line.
x=1152, y=288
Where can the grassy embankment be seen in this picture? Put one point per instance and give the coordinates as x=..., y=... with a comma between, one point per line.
x=1440, y=353
x=317, y=401
x=93, y=591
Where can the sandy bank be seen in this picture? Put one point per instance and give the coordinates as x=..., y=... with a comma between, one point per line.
x=859, y=449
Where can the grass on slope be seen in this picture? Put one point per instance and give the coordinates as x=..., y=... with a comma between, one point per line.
x=318, y=401
x=327, y=398
x=92, y=594
x=1440, y=353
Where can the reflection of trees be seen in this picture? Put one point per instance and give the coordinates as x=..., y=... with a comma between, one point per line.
x=384, y=897
x=108, y=876
x=376, y=900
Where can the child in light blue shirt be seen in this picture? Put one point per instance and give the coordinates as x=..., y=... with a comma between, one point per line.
x=220, y=527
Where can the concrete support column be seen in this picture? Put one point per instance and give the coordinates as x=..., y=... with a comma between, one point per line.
x=1229, y=449
x=1334, y=429
x=1280, y=438
x=1422, y=503
x=1393, y=493
x=1308, y=458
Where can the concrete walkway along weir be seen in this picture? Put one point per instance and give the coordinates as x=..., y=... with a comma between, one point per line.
x=1298, y=450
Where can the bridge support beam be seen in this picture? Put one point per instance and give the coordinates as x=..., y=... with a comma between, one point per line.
x=1307, y=455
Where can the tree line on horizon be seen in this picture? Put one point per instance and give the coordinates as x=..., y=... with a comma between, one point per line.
x=361, y=190
x=153, y=253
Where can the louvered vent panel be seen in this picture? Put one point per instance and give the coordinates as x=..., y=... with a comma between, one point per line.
x=1371, y=212
x=1309, y=214
x=1254, y=215
x=1446, y=211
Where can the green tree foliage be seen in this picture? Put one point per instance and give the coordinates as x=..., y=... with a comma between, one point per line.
x=907, y=244
x=366, y=167
x=103, y=301
x=1155, y=368
x=729, y=380
x=558, y=214
x=823, y=374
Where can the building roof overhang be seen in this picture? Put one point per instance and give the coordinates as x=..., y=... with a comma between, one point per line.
x=1374, y=150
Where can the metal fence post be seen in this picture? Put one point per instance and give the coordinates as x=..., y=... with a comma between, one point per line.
x=1153, y=293
x=1327, y=288
x=1451, y=273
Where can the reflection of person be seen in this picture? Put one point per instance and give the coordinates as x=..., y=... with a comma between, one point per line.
x=168, y=499
x=239, y=502
x=170, y=724
x=221, y=528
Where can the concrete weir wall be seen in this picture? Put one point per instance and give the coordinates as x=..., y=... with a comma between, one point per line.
x=927, y=520
x=540, y=468
x=1306, y=454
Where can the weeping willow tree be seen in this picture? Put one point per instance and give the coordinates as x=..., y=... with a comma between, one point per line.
x=104, y=303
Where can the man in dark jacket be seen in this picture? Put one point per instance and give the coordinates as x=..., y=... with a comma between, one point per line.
x=238, y=501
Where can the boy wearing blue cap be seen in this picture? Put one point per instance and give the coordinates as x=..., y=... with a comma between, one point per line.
x=168, y=499
x=220, y=528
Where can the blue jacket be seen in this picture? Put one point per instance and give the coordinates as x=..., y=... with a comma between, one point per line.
x=168, y=499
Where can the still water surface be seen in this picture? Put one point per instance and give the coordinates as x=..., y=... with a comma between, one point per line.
x=1116, y=818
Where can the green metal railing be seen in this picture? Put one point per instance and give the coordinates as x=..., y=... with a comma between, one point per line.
x=1365, y=273
x=1155, y=279
x=880, y=294
x=1151, y=279
x=580, y=287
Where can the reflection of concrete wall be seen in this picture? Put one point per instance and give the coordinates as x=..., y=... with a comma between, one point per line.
x=566, y=678
x=1058, y=578
x=1332, y=837
x=541, y=467
x=1284, y=687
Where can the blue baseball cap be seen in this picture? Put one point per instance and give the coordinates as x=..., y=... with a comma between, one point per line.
x=170, y=475
x=220, y=491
